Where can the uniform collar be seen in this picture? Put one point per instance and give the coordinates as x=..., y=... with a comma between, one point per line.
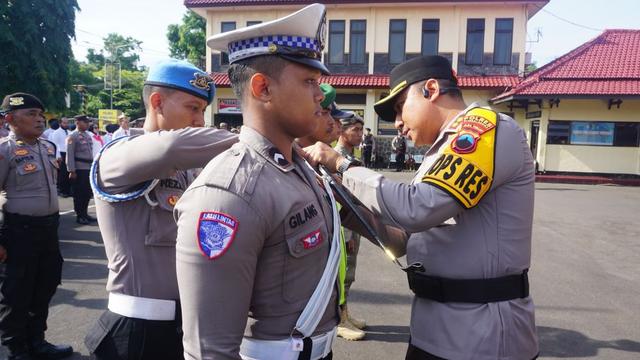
x=265, y=148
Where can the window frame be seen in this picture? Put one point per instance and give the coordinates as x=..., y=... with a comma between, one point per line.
x=467, y=59
x=253, y=22
x=333, y=33
x=404, y=43
x=353, y=32
x=425, y=31
x=495, y=42
x=617, y=139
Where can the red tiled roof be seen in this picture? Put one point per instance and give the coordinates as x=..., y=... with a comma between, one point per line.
x=379, y=81
x=226, y=3
x=607, y=65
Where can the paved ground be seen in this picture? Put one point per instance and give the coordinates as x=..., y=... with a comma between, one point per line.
x=584, y=279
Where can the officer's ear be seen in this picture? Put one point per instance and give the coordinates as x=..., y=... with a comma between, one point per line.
x=259, y=87
x=8, y=117
x=156, y=99
x=431, y=89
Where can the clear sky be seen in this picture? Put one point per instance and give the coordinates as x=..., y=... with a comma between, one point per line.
x=147, y=20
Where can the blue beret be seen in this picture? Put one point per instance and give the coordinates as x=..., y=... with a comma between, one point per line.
x=183, y=76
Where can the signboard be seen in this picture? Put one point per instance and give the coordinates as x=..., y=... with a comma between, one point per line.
x=106, y=116
x=591, y=133
x=229, y=106
x=533, y=114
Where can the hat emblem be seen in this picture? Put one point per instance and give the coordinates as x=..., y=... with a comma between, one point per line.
x=16, y=101
x=201, y=81
x=273, y=48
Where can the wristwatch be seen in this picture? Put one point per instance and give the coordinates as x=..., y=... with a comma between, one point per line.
x=348, y=162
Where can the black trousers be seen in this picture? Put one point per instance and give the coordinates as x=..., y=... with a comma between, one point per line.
x=116, y=337
x=400, y=161
x=366, y=155
x=415, y=353
x=81, y=193
x=28, y=278
x=64, y=184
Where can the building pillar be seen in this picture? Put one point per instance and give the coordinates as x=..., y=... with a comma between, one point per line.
x=542, y=138
x=370, y=116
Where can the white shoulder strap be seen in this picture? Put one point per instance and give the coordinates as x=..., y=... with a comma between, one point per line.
x=142, y=190
x=312, y=313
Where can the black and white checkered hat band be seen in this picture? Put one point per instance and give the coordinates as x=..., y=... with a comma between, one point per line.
x=260, y=45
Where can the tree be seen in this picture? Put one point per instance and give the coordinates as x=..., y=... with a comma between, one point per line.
x=117, y=48
x=35, y=38
x=188, y=40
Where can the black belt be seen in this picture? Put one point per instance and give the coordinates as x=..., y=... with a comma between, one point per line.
x=88, y=161
x=479, y=291
x=43, y=221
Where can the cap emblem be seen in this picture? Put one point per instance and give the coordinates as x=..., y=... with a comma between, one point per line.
x=201, y=81
x=16, y=101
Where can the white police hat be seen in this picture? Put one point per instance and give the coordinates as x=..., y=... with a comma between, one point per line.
x=298, y=37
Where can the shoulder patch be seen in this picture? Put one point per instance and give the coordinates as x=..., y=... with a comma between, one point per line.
x=465, y=167
x=216, y=232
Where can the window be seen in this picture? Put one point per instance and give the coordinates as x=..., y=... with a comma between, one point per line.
x=255, y=22
x=226, y=26
x=475, y=41
x=504, y=39
x=430, y=33
x=397, y=37
x=593, y=133
x=558, y=132
x=626, y=134
x=357, y=41
x=336, y=41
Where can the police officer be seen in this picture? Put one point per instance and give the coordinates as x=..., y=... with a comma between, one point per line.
x=79, y=159
x=137, y=180
x=258, y=247
x=464, y=222
x=30, y=260
x=350, y=328
x=368, y=146
x=325, y=129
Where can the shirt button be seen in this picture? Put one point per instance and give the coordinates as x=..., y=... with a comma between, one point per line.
x=298, y=248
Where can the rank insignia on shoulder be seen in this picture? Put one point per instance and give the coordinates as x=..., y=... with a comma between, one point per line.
x=50, y=151
x=312, y=240
x=216, y=232
x=21, y=152
x=29, y=167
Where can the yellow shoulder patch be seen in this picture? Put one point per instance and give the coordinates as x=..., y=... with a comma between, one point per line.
x=465, y=166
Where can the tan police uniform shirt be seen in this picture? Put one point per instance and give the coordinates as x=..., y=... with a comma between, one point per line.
x=140, y=239
x=28, y=176
x=267, y=262
x=490, y=240
x=79, y=151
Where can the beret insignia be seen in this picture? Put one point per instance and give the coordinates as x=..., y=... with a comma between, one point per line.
x=201, y=81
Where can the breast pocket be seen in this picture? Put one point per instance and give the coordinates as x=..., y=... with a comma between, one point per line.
x=307, y=253
x=28, y=176
x=162, y=226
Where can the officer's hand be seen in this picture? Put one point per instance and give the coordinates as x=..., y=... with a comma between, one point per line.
x=3, y=254
x=72, y=175
x=323, y=154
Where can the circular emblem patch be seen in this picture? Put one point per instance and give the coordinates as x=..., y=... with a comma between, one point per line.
x=172, y=200
x=464, y=143
x=29, y=167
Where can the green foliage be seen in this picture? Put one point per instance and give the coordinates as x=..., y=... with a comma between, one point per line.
x=35, y=38
x=188, y=40
x=117, y=48
x=88, y=79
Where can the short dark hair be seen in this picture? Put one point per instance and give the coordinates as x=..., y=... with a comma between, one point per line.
x=241, y=72
x=147, y=90
x=52, y=120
